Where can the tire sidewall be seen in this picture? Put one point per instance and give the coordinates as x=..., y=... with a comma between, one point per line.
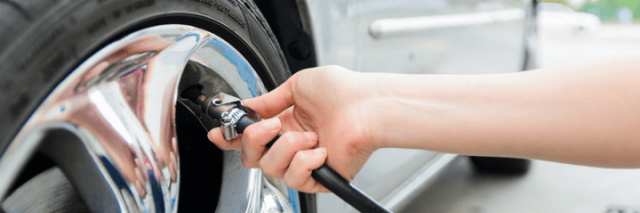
x=47, y=50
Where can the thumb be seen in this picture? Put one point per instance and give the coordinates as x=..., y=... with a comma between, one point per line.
x=274, y=102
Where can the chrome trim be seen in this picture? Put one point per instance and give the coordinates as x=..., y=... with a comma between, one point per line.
x=397, y=26
x=274, y=198
x=251, y=187
x=120, y=103
x=424, y=177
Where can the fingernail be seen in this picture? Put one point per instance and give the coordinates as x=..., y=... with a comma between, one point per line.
x=320, y=150
x=273, y=123
x=310, y=135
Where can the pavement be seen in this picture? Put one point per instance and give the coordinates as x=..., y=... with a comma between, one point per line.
x=547, y=187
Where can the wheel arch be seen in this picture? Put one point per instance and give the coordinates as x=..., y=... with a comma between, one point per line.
x=290, y=22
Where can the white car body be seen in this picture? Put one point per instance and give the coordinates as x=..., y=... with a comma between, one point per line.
x=562, y=19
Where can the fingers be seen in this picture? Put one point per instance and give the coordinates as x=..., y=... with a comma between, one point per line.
x=274, y=102
x=275, y=162
x=215, y=136
x=255, y=138
x=298, y=176
x=256, y=134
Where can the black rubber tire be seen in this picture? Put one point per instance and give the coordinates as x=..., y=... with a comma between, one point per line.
x=50, y=191
x=42, y=41
x=514, y=166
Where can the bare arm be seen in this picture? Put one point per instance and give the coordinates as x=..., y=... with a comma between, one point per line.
x=586, y=114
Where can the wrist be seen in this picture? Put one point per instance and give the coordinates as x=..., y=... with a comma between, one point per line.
x=412, y=109
x=365, y=98
x=376, y=108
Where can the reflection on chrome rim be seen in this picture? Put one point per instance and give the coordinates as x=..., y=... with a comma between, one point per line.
x=110, y=126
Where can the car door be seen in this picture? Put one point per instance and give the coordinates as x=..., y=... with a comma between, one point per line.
x=414, y=36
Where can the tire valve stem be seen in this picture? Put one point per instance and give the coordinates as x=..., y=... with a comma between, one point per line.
x=235, y=118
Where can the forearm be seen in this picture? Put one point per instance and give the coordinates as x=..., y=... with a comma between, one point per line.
x=587, y=114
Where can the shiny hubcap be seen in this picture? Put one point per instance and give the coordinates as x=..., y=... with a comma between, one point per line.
x=110, y=125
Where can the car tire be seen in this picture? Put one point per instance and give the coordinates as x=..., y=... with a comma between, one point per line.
x=48, y=191
x=514, y=166
x=42, y=41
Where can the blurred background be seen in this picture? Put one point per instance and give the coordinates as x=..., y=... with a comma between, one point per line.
x=614, y=32
x=569, y=32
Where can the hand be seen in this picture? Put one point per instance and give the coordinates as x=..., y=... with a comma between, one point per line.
x=332, y=112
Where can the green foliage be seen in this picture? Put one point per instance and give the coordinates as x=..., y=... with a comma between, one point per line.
x=563, y=2
x=608, y=9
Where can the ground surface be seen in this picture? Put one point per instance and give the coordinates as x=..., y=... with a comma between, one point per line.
x=548, y=187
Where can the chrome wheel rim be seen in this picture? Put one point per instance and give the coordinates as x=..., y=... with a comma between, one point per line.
x=110, y=125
